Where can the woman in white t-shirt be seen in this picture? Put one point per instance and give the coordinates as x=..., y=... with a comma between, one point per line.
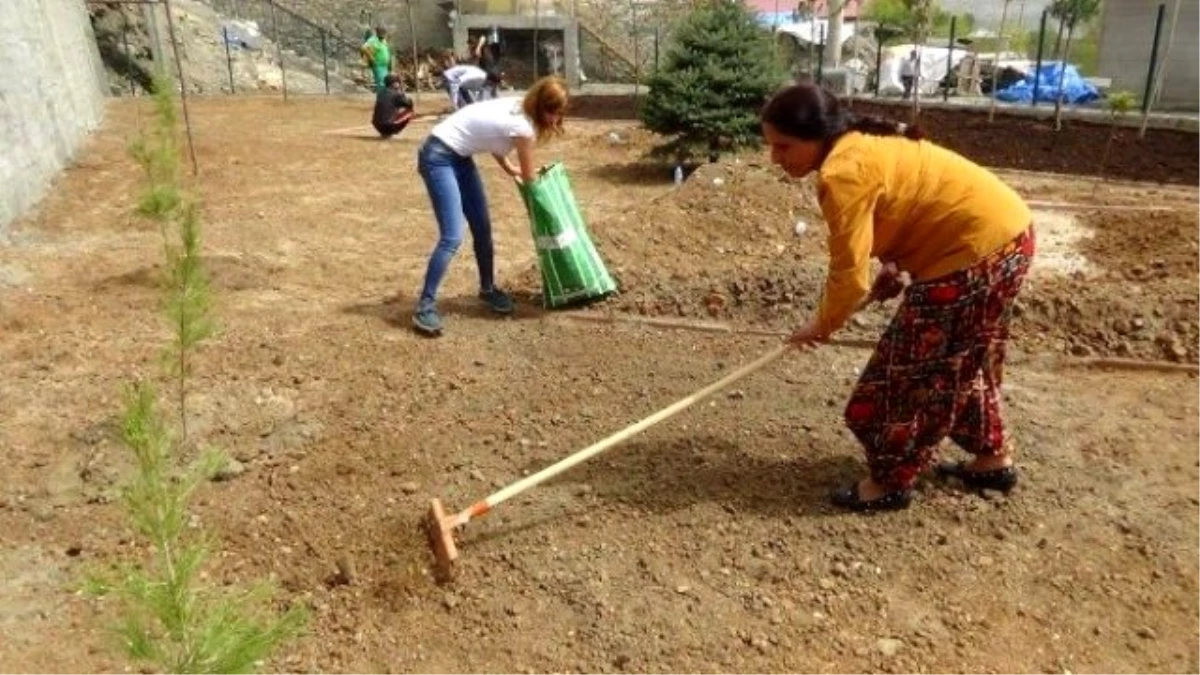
x=445, y=162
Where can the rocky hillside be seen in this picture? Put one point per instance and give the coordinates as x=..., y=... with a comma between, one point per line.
x=125, y=34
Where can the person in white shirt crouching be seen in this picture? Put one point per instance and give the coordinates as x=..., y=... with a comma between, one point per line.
x=445, y=162
x=466, y=84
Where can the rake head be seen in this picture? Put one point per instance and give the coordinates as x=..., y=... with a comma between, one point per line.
x=441, y=540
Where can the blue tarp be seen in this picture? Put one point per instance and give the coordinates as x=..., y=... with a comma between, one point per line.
x=1075, y=88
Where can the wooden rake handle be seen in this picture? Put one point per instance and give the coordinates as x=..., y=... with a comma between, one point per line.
x=485, y=505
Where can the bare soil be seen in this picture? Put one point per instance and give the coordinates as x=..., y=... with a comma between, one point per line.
x=704, y=544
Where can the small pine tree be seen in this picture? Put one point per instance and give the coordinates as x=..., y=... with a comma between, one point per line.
x=718, y=71
x=170, y=618
x=1119, y=104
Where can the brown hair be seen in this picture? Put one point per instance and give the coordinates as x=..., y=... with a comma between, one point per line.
x=810, y=113
x=547, y=96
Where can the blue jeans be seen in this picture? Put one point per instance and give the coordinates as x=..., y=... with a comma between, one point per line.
x=456, y=191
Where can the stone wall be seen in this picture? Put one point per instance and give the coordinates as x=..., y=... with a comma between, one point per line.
x=52, y=91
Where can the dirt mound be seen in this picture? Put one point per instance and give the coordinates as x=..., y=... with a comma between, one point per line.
x=1142, y=302
x=722, y=246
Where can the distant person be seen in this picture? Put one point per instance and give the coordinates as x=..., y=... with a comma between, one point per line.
x=446, y=163
x=487, y=57
x=425, y=69
x=908, y=73
x=393, y=108
x=965, y=240
x=378, y=55
x=465, y=84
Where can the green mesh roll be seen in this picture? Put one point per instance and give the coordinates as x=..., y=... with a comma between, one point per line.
x=572, y=271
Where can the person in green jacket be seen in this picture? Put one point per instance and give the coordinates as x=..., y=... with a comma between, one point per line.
x=378, y=55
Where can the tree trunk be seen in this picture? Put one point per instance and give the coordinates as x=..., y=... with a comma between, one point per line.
x=1062, y=23
x=922, y=17
x=833, y=38
x=1062, y=76
x=1112, y=135
x=996, y=64
x=916, y=106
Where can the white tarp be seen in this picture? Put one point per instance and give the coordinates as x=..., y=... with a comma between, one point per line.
x=933, y=67
x=811, y=32
x=244, y=34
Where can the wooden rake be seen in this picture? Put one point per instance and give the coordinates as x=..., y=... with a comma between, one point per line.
x=441, y=527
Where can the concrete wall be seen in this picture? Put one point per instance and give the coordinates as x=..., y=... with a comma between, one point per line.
x=52, y=87
x=1127, y=37
x=431, y=28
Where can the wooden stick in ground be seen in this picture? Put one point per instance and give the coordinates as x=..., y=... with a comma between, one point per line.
x=706, y=327
x=1110, y=363
x=1113, y=363
x=1042, y=204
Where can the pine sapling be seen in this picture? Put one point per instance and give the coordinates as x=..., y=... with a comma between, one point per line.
x=719, y=69
x=1119, y=104
x=170, y=619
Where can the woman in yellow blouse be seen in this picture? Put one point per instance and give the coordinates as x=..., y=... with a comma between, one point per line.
x=964, y=238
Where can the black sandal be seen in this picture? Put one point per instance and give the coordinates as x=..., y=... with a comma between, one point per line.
x=848, y=498
x=1002, y=480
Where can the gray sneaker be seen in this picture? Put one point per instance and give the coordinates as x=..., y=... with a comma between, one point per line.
x=426, y=320
x=497, y=300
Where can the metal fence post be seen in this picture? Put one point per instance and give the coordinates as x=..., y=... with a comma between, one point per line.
x=412, y=34
x=1158, y=25
x=279, y=48
x=950, y=58
x=325, y=59
x=128, y=54
x=1037, y=72
x=1156, y=91
x=821, y=57
x=183, y=97
x=656, y=39
x=537, y=24
x=878, y=62
x=228, y=58
x=637, y=57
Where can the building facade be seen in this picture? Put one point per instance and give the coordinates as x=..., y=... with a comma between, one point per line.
x=1127, y=40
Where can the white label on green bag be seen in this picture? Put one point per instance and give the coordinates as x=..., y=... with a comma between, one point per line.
x=562, y=240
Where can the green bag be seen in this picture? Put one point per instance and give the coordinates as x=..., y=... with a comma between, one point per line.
x=572, y=271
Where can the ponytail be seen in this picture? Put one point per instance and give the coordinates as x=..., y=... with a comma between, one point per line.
x=874, y=125
x=808, y=112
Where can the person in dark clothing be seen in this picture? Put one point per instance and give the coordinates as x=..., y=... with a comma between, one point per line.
x=487, y=57
x=393, y=108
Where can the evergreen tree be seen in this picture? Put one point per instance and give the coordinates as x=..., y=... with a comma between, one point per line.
x=719, y=70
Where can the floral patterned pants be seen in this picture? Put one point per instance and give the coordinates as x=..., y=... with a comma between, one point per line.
x=937, y=369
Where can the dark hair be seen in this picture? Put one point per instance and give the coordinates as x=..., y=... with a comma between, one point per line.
x=392, y=80
x=811, y=113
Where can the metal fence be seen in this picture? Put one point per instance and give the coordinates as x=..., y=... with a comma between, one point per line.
x=256, y=46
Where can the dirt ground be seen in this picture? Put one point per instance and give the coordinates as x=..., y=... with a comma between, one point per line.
x=705, y=544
